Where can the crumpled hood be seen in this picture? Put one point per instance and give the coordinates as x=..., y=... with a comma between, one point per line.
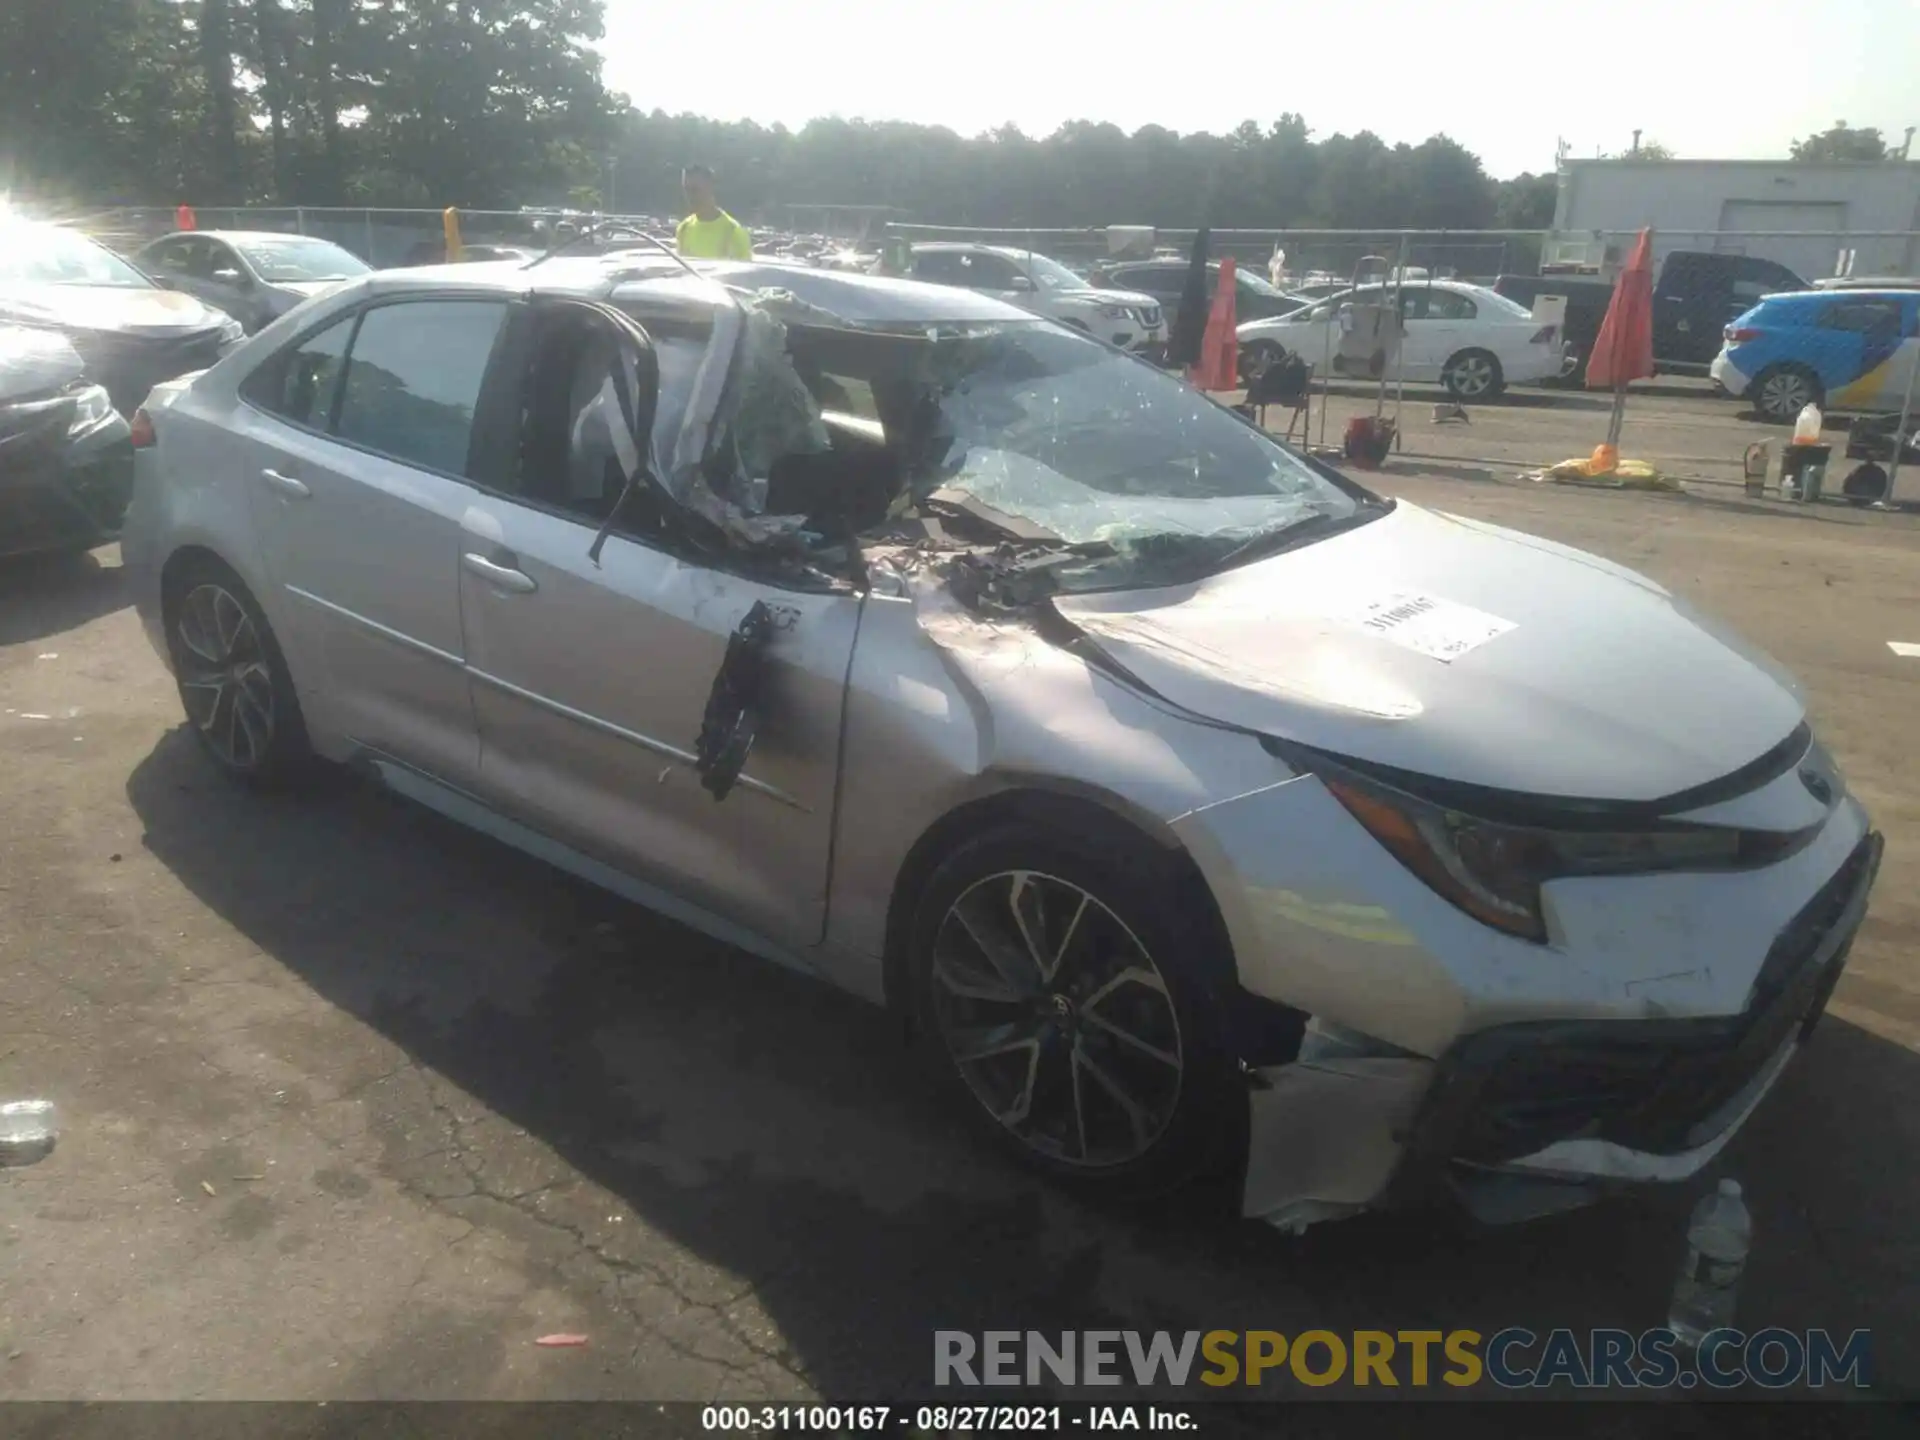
x=117, y=308
x=1462, y=651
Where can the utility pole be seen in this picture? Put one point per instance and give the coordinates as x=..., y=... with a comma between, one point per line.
x=1636, y=144
x=613, y=174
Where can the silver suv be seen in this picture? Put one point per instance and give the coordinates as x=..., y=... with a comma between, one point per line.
x=1124, y=318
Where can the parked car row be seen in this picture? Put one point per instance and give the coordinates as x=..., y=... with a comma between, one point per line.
x=1696, y=294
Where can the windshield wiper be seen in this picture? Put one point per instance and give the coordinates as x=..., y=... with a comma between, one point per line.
x=957, y=504
x=1315, y=527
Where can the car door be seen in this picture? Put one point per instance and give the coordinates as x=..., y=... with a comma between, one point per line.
x=1694, y=298
x=1865, y=349
x=591, y=678
x=359, y=440
x=1445, y=323
x=939, y=267
x=999, y=277
x=231, y=285
x=185, y=263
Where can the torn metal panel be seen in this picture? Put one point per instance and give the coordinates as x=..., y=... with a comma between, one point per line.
x=738, y=699
x=1328, y=1133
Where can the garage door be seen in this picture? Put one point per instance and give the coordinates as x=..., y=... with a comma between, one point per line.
x=1810, y=258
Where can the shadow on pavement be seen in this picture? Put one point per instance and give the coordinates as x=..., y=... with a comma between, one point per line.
x=42, y=595
x=776, y=1131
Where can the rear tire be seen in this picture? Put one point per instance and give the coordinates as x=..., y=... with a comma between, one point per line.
x=1108, y=1072
x=233, y=680
x=1473, y=375
x=1781, y=392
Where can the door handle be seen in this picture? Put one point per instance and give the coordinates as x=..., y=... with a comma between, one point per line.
x=505, y=577
x=286, y=485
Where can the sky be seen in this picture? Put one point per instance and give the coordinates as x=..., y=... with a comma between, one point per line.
x=1722, y=79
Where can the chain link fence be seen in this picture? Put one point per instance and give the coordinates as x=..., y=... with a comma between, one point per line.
x=1473, y=255
x=391, y=237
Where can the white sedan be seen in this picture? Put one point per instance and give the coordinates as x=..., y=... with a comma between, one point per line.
x=1465, y=337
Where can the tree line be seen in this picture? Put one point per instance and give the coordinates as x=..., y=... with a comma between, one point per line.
x=501, y=103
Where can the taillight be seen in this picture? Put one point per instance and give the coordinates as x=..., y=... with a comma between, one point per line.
x=1741, y=334
x=1544, y=335
x=142, y=427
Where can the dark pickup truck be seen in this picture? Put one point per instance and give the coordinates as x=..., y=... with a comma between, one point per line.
x=1695, y=295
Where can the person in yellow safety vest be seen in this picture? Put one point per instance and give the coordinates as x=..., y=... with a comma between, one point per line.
x=709, y=233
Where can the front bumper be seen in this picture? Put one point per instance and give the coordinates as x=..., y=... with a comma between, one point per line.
x=1520, y=1120
x=69, y=497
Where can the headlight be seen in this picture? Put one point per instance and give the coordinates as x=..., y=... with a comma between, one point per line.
x=1115, y=312
x=91, y=407
x=1494, y=871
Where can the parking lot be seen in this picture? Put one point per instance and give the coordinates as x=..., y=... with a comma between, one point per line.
x=359, y=1105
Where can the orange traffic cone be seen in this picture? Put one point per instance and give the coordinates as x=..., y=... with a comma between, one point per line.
x=1219, y=367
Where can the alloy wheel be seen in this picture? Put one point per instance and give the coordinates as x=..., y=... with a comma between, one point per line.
x=1785, y=394
x=1470, y=375
x=1057, y=1019
x=224, y=680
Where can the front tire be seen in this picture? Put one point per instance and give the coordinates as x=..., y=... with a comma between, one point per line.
x=233, y=680
x=1473, y=375
x=1781, y=392
x=1068, y=1013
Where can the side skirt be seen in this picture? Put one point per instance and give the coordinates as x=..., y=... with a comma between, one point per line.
x=477, y=815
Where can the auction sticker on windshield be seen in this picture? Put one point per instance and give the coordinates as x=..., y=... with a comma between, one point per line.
x=1438, y=628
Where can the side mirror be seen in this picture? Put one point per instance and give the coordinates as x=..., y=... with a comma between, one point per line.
x=227, y=275
x=1021, y=284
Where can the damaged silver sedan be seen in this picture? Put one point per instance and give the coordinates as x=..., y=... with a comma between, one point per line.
x=1200, y=810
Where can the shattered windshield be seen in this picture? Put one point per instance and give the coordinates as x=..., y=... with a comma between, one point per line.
x=966, y=436
x=298, y=259
x=1094, y=449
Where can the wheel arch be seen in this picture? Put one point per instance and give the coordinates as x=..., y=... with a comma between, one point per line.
x=183, y=560
x=1070, y=810
x=1786, y=366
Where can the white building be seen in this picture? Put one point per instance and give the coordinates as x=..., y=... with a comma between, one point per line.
x=1800, y=215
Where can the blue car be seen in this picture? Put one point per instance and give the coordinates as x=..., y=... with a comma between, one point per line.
x=1849, y=350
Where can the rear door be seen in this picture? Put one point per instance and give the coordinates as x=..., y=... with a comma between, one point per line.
x=1439, y=325
x=1867, y=349
x=359, y=440
x=1693, y=300
x=591, y=676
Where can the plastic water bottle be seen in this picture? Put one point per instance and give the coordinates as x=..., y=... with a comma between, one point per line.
x=28, y=1129
x=1718, y=1237
x=1806, y=428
